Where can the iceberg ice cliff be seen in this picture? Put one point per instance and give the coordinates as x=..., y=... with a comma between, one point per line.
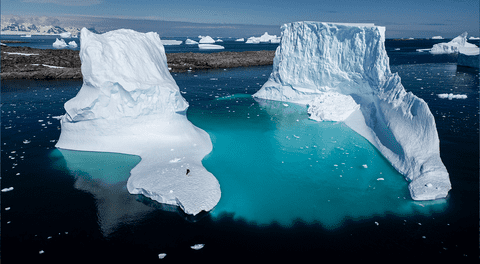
x=129, y=103
x=342, y=72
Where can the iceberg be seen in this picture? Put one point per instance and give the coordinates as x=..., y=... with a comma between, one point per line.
x=437, y=37
x=454, y=46
x=342, y=72
x=72, y=44
x=218, y=40
x=264, y=38
x=59, y=44
x=210, y=46
x=474, y=38
x=240, y=39
x=171, y=42
x=129, y=103
x=65, y=34
x=206, y=40
x=190, y=42
x=469, y=57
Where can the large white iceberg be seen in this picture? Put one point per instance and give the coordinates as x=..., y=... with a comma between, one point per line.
x=455, y=45
x=129, y=103
x=342, y=72
x=59, y=44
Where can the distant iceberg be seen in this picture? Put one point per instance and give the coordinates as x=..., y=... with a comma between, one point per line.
x=342, y=72
x=72, y=44
x=65, y=34
x=210, y=46
x=474, y=38
x=59, y=44
x=437, y=37
x=218, y=40
x=171, y=42
x=453, y=46
x=207, y=40
x=190, y=42
x=265, y=38
x=240, y=39
x=129, y=103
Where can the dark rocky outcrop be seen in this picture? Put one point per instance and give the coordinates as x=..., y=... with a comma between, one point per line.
x=37, y=66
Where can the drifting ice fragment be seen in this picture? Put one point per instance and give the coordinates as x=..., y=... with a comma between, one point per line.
x=349, y=63
x=451, y=96
x=162, y=255
x=197, y=246
x=7, y=189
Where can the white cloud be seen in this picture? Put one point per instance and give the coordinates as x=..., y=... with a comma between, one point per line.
x=66, y=2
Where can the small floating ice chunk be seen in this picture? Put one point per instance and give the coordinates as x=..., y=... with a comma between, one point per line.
x=451, y=96
x=380, y=179
x=377, y=223
x=41, y=252
x=365, y=166
x=7, y=208
x=162, y=255
x=197, y=246
x=7, y=189
x=285, y=104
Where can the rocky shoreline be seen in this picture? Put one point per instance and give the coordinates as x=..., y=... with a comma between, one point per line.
x=47, y=64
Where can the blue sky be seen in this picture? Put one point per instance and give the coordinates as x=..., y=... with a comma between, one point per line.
x=403, y=18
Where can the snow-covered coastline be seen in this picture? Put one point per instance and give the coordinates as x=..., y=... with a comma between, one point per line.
x=349, y=62
x=132, y=105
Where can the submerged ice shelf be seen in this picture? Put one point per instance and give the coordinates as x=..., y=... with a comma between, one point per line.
x=129, y=103
x=332, y=67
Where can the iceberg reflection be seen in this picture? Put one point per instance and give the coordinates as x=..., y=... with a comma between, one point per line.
x=104, y=175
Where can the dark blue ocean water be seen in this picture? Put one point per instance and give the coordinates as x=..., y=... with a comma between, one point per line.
x=74, y=207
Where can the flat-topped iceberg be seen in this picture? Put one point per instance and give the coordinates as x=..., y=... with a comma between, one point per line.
x=129, y=103
x=342, y=72
x=455, y=45
x=210, y=46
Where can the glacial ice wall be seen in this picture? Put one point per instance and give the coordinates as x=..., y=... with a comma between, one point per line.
x=129, y=103
x=342, y=72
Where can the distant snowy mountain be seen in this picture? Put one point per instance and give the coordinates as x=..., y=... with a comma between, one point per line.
x=15, y=28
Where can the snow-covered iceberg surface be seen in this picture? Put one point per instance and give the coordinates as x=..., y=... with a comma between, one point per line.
x=59, y=44
x=129, y=103
x=342, y=72
x=454, y=46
